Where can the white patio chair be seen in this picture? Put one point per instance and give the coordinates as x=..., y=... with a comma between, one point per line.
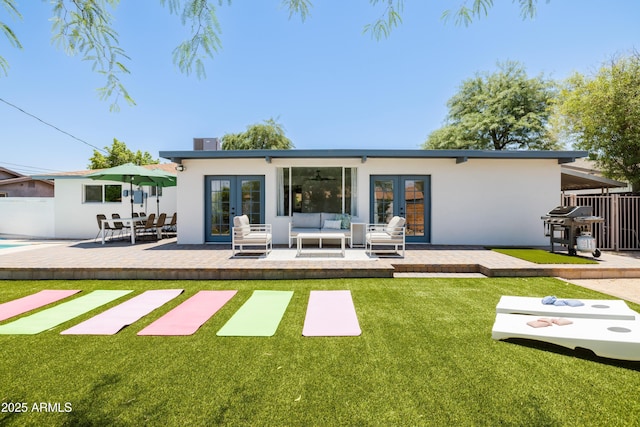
x=385, y=236
x=246, y=237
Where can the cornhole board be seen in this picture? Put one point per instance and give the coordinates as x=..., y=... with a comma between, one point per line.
x=31, y=302
x=612, y=338
x=113, y=320
x=592, y=308
x=331, y=313
x=186, y=318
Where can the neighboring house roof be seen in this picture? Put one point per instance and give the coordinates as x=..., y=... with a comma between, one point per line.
x=166, y=167
x=584, y=175
x=16, y=177
x=459, y=155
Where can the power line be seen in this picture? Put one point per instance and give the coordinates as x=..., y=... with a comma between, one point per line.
x=50, y=125
x=28, y=169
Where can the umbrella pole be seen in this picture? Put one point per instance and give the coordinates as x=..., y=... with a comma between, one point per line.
x=131, y=194
x=157, y=202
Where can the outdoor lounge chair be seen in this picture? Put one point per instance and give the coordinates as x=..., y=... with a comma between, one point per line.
x=385, y=236
x=246, y=237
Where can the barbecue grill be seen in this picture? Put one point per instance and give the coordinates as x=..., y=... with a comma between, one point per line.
x=571, y=226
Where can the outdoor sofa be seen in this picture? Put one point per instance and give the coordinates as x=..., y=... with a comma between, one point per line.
x=322, y=222
x=247, y=237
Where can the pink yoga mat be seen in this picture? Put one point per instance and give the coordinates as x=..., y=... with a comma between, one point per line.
x=31, y=302
x=331, y=313
x=116, y=318
x=186, y=318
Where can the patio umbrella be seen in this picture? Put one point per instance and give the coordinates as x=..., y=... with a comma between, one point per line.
x=171, y=182
x=135, y=175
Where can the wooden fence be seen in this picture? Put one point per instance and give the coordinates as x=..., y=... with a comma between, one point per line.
x=621, y=215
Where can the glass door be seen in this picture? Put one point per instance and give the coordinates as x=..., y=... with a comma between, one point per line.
x=405, y=196
x=229, y=196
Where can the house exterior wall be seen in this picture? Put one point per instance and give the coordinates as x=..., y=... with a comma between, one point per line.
x=75, y=219
x=30, y=188
x=478, y=202
x=27, y=216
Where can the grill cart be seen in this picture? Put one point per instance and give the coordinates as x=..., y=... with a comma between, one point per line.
x=571, y=226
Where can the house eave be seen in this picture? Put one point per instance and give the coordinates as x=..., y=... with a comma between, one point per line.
x=460, y=156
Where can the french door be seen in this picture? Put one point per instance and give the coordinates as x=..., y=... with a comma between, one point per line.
x=408, y=196
x=228, y=196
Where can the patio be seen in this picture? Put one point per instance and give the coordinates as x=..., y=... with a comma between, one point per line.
x=166, y=259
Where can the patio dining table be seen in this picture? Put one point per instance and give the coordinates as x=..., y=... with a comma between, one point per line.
x=128, y=222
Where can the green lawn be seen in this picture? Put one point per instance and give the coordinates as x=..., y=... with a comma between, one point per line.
x=538, y=256
x=425, y=357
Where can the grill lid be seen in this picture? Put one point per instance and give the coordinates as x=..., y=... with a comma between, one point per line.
x=571, y=211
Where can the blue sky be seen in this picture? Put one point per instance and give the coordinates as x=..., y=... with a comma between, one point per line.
x=330, y=85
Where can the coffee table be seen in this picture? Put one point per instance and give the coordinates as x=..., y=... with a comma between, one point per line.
x=319, y=236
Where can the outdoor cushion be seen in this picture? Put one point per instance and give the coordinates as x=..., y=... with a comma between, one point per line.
x=393, y=227
x=242, y=221
x=324, y=216
x=305, y=220
x=336, y=224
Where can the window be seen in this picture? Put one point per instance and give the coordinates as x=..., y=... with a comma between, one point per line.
x=102, y=193
x=316, y=189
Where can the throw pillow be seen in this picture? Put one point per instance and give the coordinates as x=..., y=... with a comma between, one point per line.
x=333, y=224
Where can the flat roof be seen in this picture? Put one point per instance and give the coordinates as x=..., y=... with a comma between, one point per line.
x=459, y=155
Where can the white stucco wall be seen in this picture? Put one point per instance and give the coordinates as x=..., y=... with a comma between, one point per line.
x=482, y=201
x=27, y=216
x=75, y=219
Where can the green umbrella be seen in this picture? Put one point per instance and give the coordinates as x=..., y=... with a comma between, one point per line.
x=134, y=174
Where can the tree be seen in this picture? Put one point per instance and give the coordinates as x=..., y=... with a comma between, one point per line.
x=601, y=114
x=260, y=136
x=119, y=154
x=85, y=28
x=505, y=110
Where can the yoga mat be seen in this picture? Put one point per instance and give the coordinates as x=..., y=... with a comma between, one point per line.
x=186, y=318
x=116, y=318
x=259, y=316
x=331, y=313
x=31, y=302
x=54, y=316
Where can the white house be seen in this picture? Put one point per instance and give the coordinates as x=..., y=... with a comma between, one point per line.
x=78, y=199
x=447, y=196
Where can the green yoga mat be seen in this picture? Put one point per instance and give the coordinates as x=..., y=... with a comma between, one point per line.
x=259, y=316
x=54, y=316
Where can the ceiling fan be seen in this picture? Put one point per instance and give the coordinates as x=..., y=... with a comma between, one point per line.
x=319, y=177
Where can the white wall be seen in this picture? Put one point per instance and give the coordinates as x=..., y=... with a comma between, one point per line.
x=482, y=201
x=75, y=219
x=27, y=216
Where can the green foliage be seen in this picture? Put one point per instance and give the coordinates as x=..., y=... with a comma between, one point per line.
x=85, y=28
x=260, y=136
x=118, y=154
x=602, y=115
x=505, y=110
x=10, y=6
x=479, y=8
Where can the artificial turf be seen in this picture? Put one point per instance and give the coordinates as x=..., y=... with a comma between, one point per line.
x=425, y=357
x=538, y=256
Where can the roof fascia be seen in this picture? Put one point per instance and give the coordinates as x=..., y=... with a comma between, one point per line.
x=460, y=156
